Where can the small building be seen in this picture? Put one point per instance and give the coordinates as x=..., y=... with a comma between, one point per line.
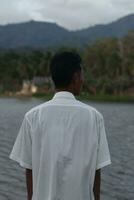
x=37, y=84
x=28, y=88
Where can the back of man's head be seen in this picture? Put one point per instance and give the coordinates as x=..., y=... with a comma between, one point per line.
x=63, y=66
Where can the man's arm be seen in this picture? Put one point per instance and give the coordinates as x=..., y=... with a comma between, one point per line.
x=29, y=183
x=97, y=183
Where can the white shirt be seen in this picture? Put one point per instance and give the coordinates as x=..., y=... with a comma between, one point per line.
x=63, y=141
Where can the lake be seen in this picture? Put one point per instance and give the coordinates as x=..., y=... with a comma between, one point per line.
x=117, y=179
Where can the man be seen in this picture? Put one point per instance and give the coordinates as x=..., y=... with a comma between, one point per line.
x=62, y=142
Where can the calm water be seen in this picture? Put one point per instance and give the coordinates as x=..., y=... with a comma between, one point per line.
x=117, y=179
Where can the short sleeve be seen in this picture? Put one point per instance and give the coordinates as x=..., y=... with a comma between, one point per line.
x=22, y=149
x=103, y=154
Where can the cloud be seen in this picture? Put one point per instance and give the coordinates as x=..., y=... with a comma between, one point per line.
x=126, y=5
x=72, y=14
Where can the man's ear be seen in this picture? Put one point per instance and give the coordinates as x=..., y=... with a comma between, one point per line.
x=75, y=78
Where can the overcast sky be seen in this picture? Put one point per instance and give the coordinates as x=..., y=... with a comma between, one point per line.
x=72, y=14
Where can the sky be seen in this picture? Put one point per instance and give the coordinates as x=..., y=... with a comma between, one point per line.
x=71, y=14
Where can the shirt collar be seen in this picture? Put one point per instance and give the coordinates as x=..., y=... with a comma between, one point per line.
x=64, y=94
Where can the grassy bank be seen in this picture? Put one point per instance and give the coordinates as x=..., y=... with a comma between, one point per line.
x=83, y=96
x=103, y=98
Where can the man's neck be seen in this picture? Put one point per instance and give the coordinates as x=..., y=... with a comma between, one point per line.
x=65, y=89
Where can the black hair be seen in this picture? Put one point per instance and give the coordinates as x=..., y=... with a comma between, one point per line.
x=63, y=66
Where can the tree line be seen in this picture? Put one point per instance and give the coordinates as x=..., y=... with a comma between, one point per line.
x=108, y=66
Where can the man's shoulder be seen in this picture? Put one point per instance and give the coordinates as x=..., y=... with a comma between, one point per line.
x=35, y=110
x=90, y=108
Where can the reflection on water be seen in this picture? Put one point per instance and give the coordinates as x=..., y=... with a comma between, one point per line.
x=117, y=179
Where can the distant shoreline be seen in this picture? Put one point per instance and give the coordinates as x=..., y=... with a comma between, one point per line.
x=89, y=97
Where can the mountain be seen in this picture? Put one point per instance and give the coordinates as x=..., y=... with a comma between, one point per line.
x=31, y=34
x=115, y=29
x=34, y=34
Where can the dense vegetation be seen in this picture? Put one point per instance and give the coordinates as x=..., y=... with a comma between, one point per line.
x=108, y=66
